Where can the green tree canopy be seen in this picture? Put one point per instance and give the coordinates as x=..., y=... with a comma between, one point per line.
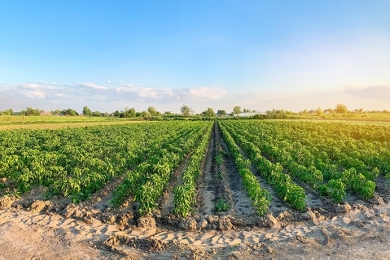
x=152, y=111
x=186, y=110
x=237, y=110
x=209, y=112
x=87, y=111
x=341, y=109
x=145, y=114
x=221, y=112
x=319, y=111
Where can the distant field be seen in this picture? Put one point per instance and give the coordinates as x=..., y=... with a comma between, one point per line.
x=12, y=120
x=385, y=117
x=352, y=121
x=65, y=124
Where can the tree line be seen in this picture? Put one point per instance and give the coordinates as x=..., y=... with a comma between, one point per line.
x=185, y=111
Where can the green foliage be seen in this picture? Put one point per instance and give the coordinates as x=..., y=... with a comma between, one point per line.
x=335, y=189
x=260, y=198
x=317, y=153
x=186, y=110
x=209, y=112
x=87, y=111
x=237, y=110
x=221, y=205
x=341, y=109
x=218, y=159
x=184, y=195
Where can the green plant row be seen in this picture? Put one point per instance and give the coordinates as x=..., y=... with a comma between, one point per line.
x=286, y=189
x=150, y=165
x=261, y=198
x=153, y=188
x=184, y=194
x=76, y=162
x=299, y=161
x=148, y=181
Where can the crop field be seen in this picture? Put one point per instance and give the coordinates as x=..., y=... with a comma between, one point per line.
x=163, y=182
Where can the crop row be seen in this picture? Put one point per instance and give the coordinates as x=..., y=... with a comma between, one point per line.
x=310, y=163
x=283, y=184
x=77, y=162
x=147, y=182
x=354, y=174
x=261, y=199
x=185, y=193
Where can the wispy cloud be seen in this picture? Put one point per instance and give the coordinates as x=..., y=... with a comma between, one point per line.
x=91, y=85
x=33, y=94
x=375, y=91
x=206, y=92
x=51, y=95
x=91, y=92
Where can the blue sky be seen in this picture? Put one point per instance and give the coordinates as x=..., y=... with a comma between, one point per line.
x=257, y=54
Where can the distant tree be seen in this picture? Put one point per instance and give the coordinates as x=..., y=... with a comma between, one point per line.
x=167, y=113
x=69, y=112
x=319, y=111
x=145, y=114
x=55, y=112
x=117, y=113
x=131, y=112
x=209, y=112
x=361, y=110
x=221, y=112
x=247, y=110
x=128, y=113
x=254, y=111
x=186, y=110
x=30, y=112
x=8, y=112
x=96, y=113
x=152, y=111
x=87, y=111
x=236, y=110
x=341, y=109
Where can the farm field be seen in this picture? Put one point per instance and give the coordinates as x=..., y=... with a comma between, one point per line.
x=227, y=189
x=55, y=122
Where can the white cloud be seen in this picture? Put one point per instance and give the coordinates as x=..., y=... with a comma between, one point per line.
x=206, y=92
x=139, y=91
x=91, y=85
x=33, y=94
x=45, y=95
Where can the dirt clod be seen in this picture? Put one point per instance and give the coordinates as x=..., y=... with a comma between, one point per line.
x=343, y=208
x=38, y=206
x=202, y=224
x=6, y=202
x=147, y=222
x=225, y=224
x=69, y=210
x=188, y=224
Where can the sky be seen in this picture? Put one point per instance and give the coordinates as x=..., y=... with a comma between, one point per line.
x=260, y=55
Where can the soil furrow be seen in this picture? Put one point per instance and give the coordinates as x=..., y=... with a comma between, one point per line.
x=241, y=204
x=205, y=190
